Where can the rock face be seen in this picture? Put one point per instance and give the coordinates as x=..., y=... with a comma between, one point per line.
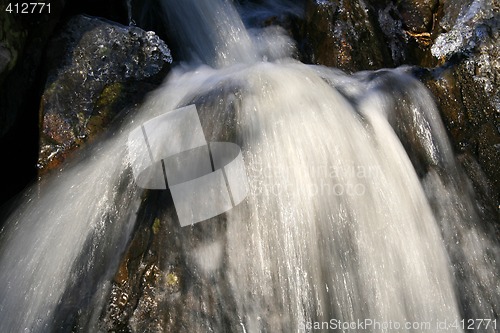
x=357, y=35
x=467, y=91
x=417, y=15
x=167, y=269
x=343, y=34
x=457, y=41
x=160, y=281
x=95, y=69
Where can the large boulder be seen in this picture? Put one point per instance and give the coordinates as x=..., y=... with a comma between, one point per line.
x=96, y=68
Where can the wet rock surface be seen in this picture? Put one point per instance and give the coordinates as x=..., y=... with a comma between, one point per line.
x=414, y=32
x=418, y=15
x=343, y=34
x=466, y=87
x=161, y=280
x=457, y=41
x=168, y=272
x=96, y=68
x=357, y=35
x=467, y=93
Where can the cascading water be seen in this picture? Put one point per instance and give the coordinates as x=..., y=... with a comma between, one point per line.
x=347, y=228
x=336, y=226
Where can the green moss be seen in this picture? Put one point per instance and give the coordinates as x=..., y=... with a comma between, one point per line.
x=172, y=280
x=109, y=95
x=156, y=226
x=104, y=107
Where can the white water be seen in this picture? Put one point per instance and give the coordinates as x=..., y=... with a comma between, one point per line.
x=313, y=250
x=62, y=233
x=337, y=224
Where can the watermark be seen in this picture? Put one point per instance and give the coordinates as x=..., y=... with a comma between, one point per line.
x=373, y=325
x=324, y=189
x=324, y=169
x=170, y=152
x=28, y=8
x=324, y=180
x=364, y=325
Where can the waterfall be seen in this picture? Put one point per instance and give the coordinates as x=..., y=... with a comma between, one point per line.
x=347, y=233
x=356, y=209
x=210, y=31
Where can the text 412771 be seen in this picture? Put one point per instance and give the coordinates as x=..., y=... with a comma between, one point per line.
x=28, y=8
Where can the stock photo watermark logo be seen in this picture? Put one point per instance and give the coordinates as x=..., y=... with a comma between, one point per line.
x=330, y=180
x=171, y=152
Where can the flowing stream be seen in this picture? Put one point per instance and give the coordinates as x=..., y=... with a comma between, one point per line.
x=356, y=209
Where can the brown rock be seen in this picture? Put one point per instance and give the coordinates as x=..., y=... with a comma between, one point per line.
x=343, y=34
x=418, y=15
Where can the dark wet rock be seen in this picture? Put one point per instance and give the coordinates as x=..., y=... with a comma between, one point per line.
x=343, y=34
x=96, y=68
x=409, y=28
x=473, y=124
x=467, y=90
x=173, y=278
x=161, y=286
x=418, y=15
x=356, y=35
x=393, y=33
